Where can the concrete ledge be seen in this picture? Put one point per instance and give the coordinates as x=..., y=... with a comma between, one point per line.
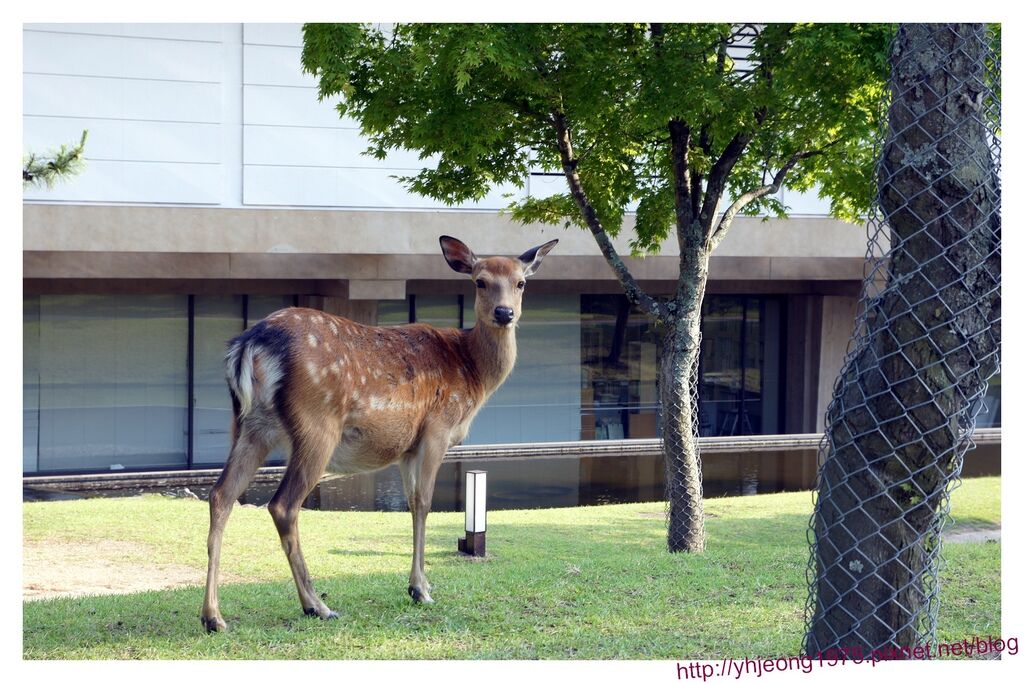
x=178, y=229
x=556, y=268
x=710, y=446
x=376, y=289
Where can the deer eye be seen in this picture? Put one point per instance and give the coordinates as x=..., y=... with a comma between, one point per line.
x=480, y=284
x=521, y=284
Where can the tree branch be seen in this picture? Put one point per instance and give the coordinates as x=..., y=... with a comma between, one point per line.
x=718, y=234
x=629, y=284
x=679, y=134
x=717, y=177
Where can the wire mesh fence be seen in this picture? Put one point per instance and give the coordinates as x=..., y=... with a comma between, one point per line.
x=684, y=487
x=926, y=342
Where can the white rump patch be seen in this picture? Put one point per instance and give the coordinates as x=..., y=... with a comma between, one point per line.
x=250, y=389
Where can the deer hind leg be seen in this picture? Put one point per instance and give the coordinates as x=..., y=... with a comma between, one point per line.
x=419, y=473
x=249, y=451
x=311, y=450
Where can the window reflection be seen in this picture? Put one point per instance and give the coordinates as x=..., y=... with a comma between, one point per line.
x=217, y=319
x=112, y=381
x=740, y=373
x=619, y=369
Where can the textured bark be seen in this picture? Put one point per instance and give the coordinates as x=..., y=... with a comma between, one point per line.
x=683, y=486
x=897, y=427
x=680, y=359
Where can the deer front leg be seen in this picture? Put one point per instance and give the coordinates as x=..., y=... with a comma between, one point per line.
x=419, y=473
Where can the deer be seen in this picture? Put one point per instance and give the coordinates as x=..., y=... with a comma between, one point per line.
x=346, y=398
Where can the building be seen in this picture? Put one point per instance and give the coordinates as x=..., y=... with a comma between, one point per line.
x=218, y=189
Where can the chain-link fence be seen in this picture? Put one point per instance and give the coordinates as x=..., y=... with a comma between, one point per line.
x=925, y=345
x=684, y=486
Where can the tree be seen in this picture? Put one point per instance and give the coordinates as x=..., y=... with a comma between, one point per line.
x=684, y=119
x=46, y=171
x=908, y=394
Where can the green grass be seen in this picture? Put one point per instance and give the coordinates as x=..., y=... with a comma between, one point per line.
x=587, y=583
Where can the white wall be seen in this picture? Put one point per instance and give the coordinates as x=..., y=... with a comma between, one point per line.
x=152, y=97
x=200, y=114
x=210, y=114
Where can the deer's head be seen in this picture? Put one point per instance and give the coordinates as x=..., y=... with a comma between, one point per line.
x=499, y=280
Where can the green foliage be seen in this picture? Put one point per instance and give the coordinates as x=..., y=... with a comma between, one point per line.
x=478, y=100
x=60, y=164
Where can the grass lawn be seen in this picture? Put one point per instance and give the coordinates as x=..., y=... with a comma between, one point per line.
x=589, y=583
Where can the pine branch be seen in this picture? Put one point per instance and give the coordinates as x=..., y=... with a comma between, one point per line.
x=65, y=162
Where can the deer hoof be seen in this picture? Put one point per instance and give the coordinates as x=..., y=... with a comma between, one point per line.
x=420, y=596
x=212, y=624
x=312, y=612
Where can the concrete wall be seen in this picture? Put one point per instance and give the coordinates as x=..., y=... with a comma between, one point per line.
x=62, y=240
x=837, y=319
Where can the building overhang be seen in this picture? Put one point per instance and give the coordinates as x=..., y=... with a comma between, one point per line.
x=73, y=241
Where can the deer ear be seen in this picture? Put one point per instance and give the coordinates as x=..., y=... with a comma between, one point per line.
x=460, y=257
x=532, y=258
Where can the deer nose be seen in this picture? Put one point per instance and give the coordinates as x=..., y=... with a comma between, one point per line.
x=503, y=315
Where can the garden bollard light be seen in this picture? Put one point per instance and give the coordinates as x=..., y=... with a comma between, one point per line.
x=476, y=514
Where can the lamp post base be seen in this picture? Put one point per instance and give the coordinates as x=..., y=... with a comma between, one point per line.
x=475, y=544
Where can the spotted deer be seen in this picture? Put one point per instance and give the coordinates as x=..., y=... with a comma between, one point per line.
x=347, y=398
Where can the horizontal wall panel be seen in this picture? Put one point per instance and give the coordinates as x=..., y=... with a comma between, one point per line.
x=280, y=106
x=125, y=181
x=112, y=56
x=272, y=145
x=275, y=65
x=167, y=31
x=544, y=186
x=805, y=203
x=273, y=34
x=83, y=96
x=372, y=188
x=112, y=139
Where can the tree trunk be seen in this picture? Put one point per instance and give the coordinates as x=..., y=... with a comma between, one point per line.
x=680, y=357
x=907, y=398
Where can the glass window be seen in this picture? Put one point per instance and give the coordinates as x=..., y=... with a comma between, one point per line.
x=112, y=382
x=619, y=369
x=262, y=305
x=390, y=313
x=439, y=311
x=217, y=320
x=540, y=400
x=740, y=373
x=722, y=384
x=30, y=384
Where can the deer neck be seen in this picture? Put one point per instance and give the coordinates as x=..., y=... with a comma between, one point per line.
x=493, y=351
